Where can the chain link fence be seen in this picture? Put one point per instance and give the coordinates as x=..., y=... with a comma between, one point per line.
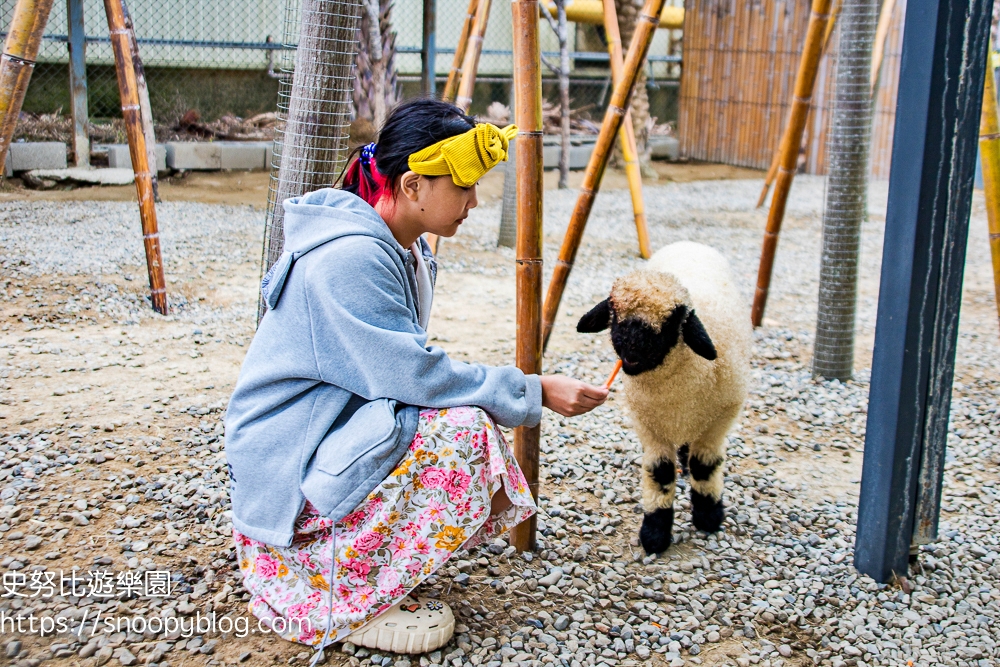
x=219, y=58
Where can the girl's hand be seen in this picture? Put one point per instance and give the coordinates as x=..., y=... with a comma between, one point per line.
x=570, y=397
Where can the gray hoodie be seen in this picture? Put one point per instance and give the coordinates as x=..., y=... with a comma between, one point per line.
x=340, y=333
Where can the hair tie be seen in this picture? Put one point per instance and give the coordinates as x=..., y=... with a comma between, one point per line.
x=368, y=152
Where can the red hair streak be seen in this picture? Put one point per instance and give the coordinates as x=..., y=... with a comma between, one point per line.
x=366, y=190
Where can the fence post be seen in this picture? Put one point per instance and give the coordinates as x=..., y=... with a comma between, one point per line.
x=927, y=223
x=428, y=49
x=78, y=82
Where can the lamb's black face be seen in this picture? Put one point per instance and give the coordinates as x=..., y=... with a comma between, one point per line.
x=642, y=348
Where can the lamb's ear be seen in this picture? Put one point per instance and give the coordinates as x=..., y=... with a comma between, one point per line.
x=697, y=338
x=598, y=319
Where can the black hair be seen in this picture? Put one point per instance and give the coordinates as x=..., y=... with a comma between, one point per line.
x=410, y=127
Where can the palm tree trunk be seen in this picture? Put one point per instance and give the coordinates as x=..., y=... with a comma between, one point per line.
x=310, y=144
x=846, y=193
x=375, y=86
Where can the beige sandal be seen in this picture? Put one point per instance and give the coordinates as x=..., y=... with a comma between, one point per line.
x=412, y=625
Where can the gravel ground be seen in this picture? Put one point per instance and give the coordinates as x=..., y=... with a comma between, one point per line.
x=112, y=454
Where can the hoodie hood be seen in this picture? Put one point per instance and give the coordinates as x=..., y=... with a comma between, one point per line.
x=317, y=218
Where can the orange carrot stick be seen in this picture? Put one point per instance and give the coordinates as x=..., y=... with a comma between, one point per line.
x=614, y=374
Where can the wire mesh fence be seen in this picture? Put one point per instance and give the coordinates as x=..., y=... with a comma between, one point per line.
x=207, y=60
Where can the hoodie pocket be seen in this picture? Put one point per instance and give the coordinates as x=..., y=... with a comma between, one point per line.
x=371, y=426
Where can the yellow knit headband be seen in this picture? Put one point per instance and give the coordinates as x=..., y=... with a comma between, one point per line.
x=465, y=157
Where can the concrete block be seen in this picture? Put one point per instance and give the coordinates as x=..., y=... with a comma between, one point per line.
x=194, y=155
x=30, y=155
x=119, y=157
x=664, y=147
x=244, y=155
x=579, y=154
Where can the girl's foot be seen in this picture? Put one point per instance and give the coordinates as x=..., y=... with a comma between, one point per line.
x=412, y=625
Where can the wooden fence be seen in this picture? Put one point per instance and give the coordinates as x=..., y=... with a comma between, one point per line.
x=740, y=59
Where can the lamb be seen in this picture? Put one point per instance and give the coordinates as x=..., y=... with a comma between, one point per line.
x=683, y=334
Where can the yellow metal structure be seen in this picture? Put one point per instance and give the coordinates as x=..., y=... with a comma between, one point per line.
x=592, y=11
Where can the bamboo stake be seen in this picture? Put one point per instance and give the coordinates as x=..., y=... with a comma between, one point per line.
x=989, y=151
x=645, y=30
x=127, y=87
x=472, y=52
x=145, y=108
x=626, y=136
x=455, y=73
x=805, y=80
x=878, y=49
x=528, y=114
x=17, y=63
x=773, y=170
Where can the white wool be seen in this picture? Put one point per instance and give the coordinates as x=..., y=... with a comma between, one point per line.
x=688, y=399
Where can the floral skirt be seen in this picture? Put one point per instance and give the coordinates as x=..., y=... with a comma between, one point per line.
x=435, y=502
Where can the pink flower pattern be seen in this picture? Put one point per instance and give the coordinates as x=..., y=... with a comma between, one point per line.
x=393, y=540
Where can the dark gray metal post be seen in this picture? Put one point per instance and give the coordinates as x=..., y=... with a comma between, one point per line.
x=78, y=82
x=930, y=196
x=428, y=49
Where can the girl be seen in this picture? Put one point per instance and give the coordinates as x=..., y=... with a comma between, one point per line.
x=349, y=441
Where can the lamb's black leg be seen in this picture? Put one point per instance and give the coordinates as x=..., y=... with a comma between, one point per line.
x=707, y=512
x=656, y=533
x=683, y=453
x=659, y=486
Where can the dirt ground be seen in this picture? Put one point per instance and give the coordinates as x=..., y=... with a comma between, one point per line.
x=136, y=396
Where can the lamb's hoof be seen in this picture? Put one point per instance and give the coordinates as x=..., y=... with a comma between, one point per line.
x=656, y=532
x=707, y=514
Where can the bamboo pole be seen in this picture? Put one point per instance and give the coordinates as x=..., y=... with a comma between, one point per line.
x=805, y=80
x=463, y=100
x=989, y=151
x=455, y=73
x=127, y=87
x=621, y=97
x=145, y=108
x=881, y=33
x=627, y=134
x=773, y=169
x=20, y=50
x=528, y=115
